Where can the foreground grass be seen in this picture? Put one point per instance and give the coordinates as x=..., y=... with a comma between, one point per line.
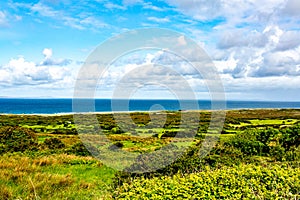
x=53, y=177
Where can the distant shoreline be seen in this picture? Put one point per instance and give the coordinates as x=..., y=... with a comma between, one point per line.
x=150, y=111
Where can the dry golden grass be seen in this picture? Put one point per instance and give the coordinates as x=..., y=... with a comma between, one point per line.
x=22, y=177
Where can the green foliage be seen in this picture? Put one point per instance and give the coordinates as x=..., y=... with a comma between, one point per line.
x=239, y=182
x=116, y=130
x=281, y=145
x=14, y=139
x=78, y=149
x=248, y=143
x=188, y=162
x=290, y=137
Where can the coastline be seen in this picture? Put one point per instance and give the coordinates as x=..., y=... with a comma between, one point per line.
x=139, y=111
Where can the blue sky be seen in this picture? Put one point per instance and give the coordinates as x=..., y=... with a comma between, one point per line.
x=255, y=45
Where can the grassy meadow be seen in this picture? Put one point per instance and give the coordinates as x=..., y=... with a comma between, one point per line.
x=257, y=156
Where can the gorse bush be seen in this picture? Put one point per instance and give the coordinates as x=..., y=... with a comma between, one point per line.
x=188, y=162
x=17, y=139
x=239, y=182
x=241, y=148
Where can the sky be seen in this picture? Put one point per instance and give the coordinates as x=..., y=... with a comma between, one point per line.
x=254, y=45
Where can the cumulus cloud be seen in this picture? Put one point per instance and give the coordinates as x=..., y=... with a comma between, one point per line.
x=47, y=53
x=199, y=9
x=22, y=72
x=292, y=8
x=271, y=52
x=280, y=64
x=254, y=39
x=49, y=61
x=288, y=40
x=233, y=11
x=242, y=38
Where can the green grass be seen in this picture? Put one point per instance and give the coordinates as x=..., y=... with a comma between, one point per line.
x=226, y=137
x=42, y=138
x=54, y=177
x=263, y=122
x=50, y=127
x=273, y=121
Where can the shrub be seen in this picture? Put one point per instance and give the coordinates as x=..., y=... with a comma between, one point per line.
x=239, y=182
x=290, y=137
x=247, y=143
x=80, y=150
x=116, y=130
x=17, y=139
x=254, y=141
x=116, y=146
x=54, y=143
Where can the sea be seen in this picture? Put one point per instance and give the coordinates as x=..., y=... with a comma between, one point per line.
x=65, y=106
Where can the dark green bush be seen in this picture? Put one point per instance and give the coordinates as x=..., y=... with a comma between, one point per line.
x=17, y=139
x=290, y=137
x=189, y=162
x=116, y=146
x=254, y=141
x=80, y=150
x=54, y=143
x=116, y=130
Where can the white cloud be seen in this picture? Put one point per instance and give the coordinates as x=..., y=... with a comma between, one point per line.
x=92, y=22
x=199, y=9
x=19, y=72
x=292, y=8
x=80, y=21
x=182, y=41
x=47, y=53
x=44, y=10
x=225, y=65
x=111, y=6
x=234, y=11
x=272, y=52
x=49, y=61
x=288, y=40
x=159, y=20
x=150, y=6
x=254, y=38
x=3, y=19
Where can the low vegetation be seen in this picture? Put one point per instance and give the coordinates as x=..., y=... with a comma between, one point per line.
x=257, y=157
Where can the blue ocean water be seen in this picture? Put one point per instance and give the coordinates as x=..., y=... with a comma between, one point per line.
x=52, y=106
